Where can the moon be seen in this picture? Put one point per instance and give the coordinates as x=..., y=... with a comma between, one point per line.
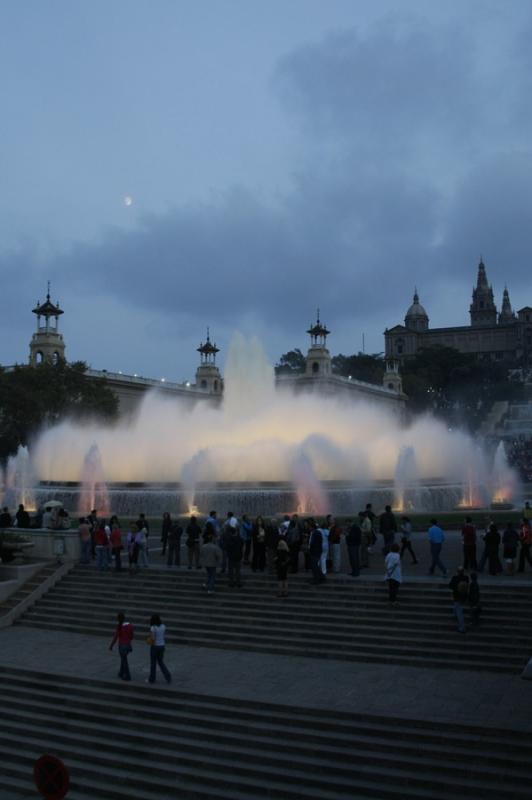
x=128, y=200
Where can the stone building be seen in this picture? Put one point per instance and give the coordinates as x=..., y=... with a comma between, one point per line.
x=47, y=343
x=491, y=335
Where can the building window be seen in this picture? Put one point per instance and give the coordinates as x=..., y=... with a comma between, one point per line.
x=55, y=357
x=399, y=346
x=315, y=367
x=39, y=357
x=203, y=384
x=391, y=386
x=215, y=386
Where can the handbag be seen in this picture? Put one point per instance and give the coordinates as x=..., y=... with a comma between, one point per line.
x=150, y=639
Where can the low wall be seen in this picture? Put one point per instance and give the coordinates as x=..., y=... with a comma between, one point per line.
x=49, y=545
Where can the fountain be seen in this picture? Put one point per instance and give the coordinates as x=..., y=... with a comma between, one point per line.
x=20, y=480
x=93, y=493
x=504, y=480
x=262, y=450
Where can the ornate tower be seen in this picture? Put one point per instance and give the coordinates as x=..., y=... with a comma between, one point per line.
x=47, y=343
x=416, y=317
x=507, y=316
x=208, y=378
x=318, y=357
x=392, y=377
x=483, y=310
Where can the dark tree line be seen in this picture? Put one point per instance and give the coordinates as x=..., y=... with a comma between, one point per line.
x=32, y=398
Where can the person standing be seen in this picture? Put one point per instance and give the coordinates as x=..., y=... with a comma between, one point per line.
x=393, y=575
x=469, y=540
x=157, y=648
x=324, y=550
x=85, y=541
x=367, y=539
x=246, y=530
x=335, y=545
x=132, y=548
x=527, y=512
x=388, y=528
x=315, y=549
x=211, y=557
x=282, y=561
x=525, y=539
x=271, y=541
x=174, y=544
x=116, y=546
x=510, y=540
x=234, y=547
x=165, y=530
x=258, y=562
x=406, y=539
x=492, y=541
x=141, y=540
x=22, y=517
x=459, y=586
x=193, y=532
x=102, y=548
x=124, y=634
x=473, y=597
x=436, y=539
x=293, y=540
x=353, y=539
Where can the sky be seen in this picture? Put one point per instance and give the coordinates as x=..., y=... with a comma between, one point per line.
x=279, y=156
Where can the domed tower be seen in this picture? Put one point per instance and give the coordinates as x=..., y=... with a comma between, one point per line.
x=416, y=317
x=208, y=378
x=507, y=316
x=483, y=310
x=47, y=343
x=318, y=357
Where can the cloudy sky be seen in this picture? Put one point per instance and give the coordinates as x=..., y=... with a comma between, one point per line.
x=280, y=155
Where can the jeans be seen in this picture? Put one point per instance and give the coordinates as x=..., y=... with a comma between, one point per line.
x=353, y=551
x=294, y=557
x=435, y=550
x=156, y=657
x=315, y=565
x=86, y=548
x=470, y=556
x=458, y=611
x=234, y=573
x=211, y=578
x=393, y=588
x=124, y=650
x=247, y=550
x=524, y=554
x=102, y=557
x=118, y=559
x=407, y=545
x=194, y=555
x=323, y=561
x=174, y=553
x=258, y=561
x=143, y=556
x=336, y=556
x=388, y=541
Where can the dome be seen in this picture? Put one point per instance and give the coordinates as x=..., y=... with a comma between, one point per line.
x=416, y=316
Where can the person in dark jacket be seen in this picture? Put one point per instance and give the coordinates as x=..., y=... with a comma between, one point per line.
x=6, y=520
x=315, y=548
x=459, y=586
x=174, y=544
x=193, y=542
x=353, y=539
x=510, y=541
x=473, y=597
x=234, y=548
x=388, y=528
x=165, y=529
x=293, y=540
x=258, y=535
x=492, y=540
x=23, y=518
x=469, y=540
x=282, y=560
x=271, y=542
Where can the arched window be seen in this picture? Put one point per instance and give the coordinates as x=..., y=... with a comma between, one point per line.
x=215, y=386
x=315, y=367
x=203, y=384
x=39, y=358
x=55, y=357
x=391, y=386
x=399, y=346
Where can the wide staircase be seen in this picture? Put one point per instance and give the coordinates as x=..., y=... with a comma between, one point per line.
x=346, y=620
x=125, y=742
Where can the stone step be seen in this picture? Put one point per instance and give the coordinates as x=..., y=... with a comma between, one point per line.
x=263, y=764
x=27, y=588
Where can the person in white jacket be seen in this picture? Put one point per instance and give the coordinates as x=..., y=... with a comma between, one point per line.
x=393, y=576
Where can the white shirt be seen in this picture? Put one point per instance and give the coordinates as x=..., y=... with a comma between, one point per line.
x=392, y=563
x=157, y=631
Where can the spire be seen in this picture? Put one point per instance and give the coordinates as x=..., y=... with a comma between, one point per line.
x=507, y=315
x=318, y=332
x=416, y=296
x=482, y=309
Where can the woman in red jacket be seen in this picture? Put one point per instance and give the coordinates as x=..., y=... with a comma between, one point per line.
x=124, y=636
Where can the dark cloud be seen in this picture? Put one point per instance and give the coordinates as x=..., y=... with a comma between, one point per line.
x=414, y=158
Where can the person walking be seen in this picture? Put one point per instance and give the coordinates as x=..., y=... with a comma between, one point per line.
x=116, y=546
x=165, y=530
x=469, y=542
x=211, y=557
x=124, y=634
x=258, y=562
x=393, y=575
x=174, y=544
x=510, y=541
x=157, y=647
x=315, y=549
x=282, y=560
x=459, y=586
x=193, y=542
x=353, y=540
x=525, y=539
x=406, y=539
x=388, y=528
x=436, y=539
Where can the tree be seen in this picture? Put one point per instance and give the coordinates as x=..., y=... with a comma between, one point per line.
x=362, y=367
x=32, y=398
x=291, y=363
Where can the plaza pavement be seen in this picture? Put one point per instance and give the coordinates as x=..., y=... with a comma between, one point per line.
x=430, y=694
